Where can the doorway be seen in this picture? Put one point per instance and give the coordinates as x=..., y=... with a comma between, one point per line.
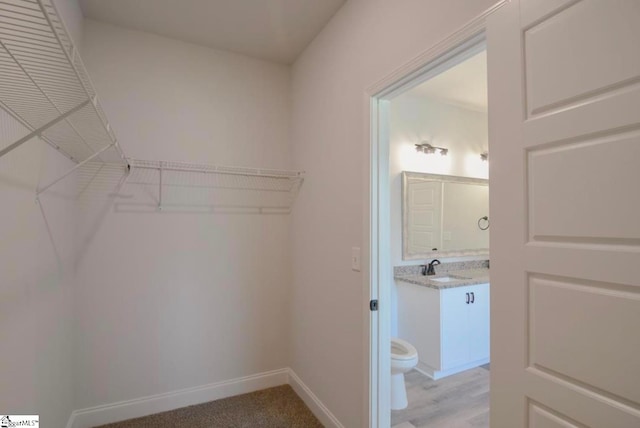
x=467, y=43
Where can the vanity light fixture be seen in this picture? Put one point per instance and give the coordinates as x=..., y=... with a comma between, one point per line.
x=427, y=148
x=484, y=156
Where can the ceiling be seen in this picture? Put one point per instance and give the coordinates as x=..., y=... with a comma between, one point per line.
x=464, y=85
x=274, y=30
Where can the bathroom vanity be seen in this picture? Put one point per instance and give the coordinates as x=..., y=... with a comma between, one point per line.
x=445, y=317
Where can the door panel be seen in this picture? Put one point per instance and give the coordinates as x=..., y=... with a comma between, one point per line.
x=564, y=98
x=572, y=332
x=568, y=198
x=567, y=399
x=589, y=262
x=575, y=54
x=543, y=418
x=563, y=126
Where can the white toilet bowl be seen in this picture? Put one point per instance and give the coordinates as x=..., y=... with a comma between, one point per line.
x=404, y=357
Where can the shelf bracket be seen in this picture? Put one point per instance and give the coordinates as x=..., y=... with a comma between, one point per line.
x=43, y=128
x=89, y=159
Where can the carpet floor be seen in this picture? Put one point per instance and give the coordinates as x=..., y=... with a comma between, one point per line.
x=274, y=407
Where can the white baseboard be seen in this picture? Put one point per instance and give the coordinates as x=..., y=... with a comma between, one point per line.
x=123, y=410
x=144, y=406
x=434, y=374
x=313, y=402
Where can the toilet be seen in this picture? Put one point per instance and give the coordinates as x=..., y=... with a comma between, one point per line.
x=404, y=357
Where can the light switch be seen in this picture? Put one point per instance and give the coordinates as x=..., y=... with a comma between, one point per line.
x=355, y=259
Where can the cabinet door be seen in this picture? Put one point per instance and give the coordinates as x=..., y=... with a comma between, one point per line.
x=455, y=326
x=479, y=323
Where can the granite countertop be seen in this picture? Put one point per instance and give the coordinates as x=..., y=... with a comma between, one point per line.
x=461, y=274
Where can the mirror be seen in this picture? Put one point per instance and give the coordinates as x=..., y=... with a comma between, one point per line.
x=444, y=215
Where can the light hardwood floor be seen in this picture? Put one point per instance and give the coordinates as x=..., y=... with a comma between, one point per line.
x=457, y=401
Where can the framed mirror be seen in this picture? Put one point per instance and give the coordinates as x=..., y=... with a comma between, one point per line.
x=444, y=216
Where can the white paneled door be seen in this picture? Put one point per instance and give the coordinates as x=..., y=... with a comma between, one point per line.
x=564, y=112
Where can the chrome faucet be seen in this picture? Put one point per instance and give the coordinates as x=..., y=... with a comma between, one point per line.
x=430, y=268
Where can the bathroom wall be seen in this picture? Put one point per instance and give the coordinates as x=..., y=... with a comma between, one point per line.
x=36, y=273
x=172, y=300
x=365, y=41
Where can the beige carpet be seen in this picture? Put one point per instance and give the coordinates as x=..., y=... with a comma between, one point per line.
x=273, y=407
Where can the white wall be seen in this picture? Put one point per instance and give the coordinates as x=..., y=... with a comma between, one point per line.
x=36, y=283
x=36, y=274
x=176, y=300
x=365, y=41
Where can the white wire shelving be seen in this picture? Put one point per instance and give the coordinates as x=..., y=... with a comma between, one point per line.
x=45, y=86
x=179, y=184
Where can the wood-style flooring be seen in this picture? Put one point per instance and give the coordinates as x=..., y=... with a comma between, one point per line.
x=457, y=401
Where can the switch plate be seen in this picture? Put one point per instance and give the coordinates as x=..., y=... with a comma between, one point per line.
x=355, y=259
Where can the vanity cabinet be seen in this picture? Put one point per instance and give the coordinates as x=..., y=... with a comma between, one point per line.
x=449, y=327
x=464, y=321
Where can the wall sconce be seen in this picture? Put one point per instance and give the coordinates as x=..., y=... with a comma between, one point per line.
x=427, y=148
x=484, y=156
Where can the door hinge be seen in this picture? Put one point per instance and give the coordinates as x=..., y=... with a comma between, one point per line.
x=373, y=305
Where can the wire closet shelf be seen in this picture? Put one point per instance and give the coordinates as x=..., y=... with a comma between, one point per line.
x=217, y=188
x=46, y=88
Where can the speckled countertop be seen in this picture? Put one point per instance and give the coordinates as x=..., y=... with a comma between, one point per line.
x=461, y=274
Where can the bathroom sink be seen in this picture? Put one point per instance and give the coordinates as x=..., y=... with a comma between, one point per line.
x=445, y=279
x=471, y=273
